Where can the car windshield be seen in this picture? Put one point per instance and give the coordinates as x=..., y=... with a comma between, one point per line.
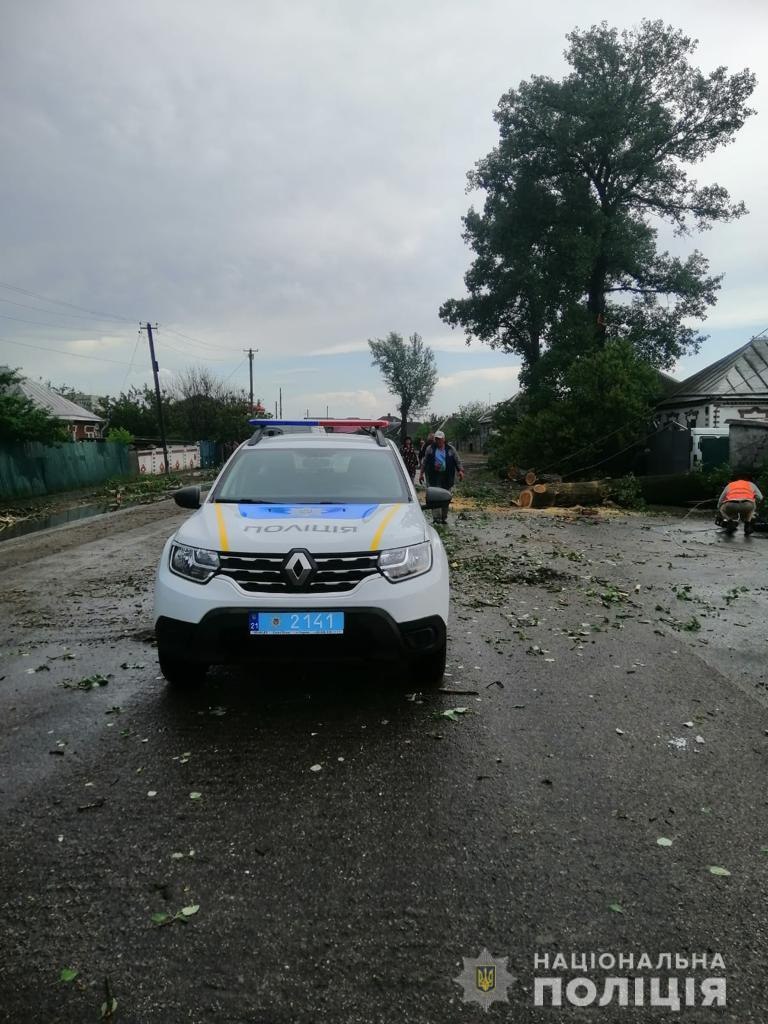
x=313, y=475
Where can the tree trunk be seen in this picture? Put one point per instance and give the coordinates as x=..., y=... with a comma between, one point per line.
x=404, y=410
x=596, y=298
x=582, y=492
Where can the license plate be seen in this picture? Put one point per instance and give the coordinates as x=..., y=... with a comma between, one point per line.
x=295, y=623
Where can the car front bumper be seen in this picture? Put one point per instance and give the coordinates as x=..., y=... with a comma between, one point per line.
x=222, y=638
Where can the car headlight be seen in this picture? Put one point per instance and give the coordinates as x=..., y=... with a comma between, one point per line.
x=403, y=563
x=196, y=564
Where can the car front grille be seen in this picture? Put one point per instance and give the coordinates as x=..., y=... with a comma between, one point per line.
x=264, y=574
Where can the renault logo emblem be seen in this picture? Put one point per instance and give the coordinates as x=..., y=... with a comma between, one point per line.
x=298, y=568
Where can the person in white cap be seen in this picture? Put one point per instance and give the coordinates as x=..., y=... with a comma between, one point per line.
x=441, y=464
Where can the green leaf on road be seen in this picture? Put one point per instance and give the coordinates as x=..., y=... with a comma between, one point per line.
x=663, y=841
x=161, y=918
x=720, y=872
x=452, y=713
x=88, y=683
x=68, y=974
x=616, y=908
x=195, y=796
x=190, y=911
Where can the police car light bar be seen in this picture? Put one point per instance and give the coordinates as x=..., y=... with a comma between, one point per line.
x=381, y=424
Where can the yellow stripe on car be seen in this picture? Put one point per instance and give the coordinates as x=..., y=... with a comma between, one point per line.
x=382, y=527
x=223, y=539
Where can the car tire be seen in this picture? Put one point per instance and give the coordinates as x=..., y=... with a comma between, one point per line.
x=181, y=673
x=427, y=670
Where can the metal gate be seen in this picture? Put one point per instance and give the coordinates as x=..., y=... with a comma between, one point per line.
x=714, y=452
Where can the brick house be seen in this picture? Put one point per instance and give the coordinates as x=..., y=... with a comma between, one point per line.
x=83, y=425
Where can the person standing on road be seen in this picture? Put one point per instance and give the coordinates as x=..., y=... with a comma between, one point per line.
x=410, y=457
x=441, y=464
x=424, y=445
x=738, y=502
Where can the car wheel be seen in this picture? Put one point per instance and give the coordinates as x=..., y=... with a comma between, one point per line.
x=427, y=670
x=179, y=672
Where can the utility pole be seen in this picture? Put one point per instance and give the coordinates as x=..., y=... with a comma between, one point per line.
x=276, y=416
x=281, y=404
x=160, y=423
x=250, y=353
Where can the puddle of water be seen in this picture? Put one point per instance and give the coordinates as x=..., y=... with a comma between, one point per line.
x=69, y=515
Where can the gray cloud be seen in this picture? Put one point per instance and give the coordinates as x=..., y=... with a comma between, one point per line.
x=290, y=175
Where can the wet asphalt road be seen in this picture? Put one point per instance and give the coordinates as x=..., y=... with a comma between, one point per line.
x=352, y=893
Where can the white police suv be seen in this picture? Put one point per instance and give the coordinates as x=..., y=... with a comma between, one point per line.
x=309, y=546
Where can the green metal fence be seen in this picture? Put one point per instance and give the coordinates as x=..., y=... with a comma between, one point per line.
x=32, y=469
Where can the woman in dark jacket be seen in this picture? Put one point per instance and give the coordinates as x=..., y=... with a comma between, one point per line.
x=410, y=457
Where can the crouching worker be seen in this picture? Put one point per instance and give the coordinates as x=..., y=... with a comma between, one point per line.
x=738, y=503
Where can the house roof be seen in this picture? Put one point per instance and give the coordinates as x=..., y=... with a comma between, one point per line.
x=742, y=374
x=56, y=404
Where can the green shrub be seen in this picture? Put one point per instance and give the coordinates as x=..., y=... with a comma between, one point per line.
x=120, y=435
x=627, y=492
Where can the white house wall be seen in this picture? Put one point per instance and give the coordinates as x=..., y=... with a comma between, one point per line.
x=716, y=414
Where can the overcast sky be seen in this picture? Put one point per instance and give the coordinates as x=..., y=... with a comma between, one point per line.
x=291, y=176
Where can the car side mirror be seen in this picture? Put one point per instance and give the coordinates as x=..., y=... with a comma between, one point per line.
x=437, y=497
x=187, y=497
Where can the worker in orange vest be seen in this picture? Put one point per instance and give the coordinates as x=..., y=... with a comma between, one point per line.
x=738, y=502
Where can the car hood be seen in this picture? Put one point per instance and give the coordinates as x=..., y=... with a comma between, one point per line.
x=318, y=528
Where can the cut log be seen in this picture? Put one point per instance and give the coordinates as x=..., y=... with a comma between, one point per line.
x=581, y=492
x=513, y=474
x=549, y=478
x=530, y=477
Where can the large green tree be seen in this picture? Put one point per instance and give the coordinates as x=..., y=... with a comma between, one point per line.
x=134, y=410
x=586, y=169
x=466, y=420
x=21, y=419
x=599, y=412
x=409, y=371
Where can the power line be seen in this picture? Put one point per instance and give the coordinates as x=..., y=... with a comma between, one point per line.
x=61, y=302
x=133, y=357
x=55, y=327
x=195, y=355
x=42, y=309
x=99, y=315
x=61, y=352
x=199, y=341
x=238, y=367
